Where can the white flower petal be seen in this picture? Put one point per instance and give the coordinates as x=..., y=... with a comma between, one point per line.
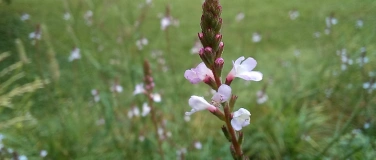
x=157, y=97
x=198, y=103
x=145, y=109
x=241, y=118
x=238, y=61
x=253, y=75
x=236, y=125
x=225, y=91
x=249, y=63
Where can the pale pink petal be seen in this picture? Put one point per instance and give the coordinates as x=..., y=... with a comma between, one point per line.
x=203, y=71
x=192, y=76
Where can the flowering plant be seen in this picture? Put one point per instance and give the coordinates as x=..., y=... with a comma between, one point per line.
x=210, y=71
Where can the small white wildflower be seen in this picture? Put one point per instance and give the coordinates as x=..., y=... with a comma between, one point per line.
x=317, y=35
x=187, y=118
x=75, y=54
x=366, y=125
x=141, y=43
x=66, y=16
x=22, y=157
x=156, y=97
x=198, y=145
x=240, y=16
x=43, y=153
x=95, y=94
x=35, y=35
x=256, y=37
x=117, y=88
x=141, y=138
x=261, y=97
x=145, y=109
x=165, y=22
x=136, y=111
x=196, y=47
x=148, y=1
x=25, y=17
x=139, y=89
x=293, y=14
x=169, y=134
x=359, y=23
x=88, y=16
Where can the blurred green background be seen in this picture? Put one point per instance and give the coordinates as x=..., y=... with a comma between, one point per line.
x=321, y=90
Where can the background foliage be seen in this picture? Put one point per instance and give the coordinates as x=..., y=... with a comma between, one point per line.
x=315, y=109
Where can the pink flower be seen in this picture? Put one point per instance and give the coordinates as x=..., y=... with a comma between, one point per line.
x=243, y=69
x=198, y=74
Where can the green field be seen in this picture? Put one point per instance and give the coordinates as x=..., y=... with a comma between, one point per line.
x=321, y=91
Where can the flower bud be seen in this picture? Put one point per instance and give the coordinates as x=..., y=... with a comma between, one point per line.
x=209, y=55
x=202, y=55
x=200, y=35
x=221, y=46
x=218, y=65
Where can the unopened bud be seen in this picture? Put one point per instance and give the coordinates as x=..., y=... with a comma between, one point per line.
x=218, y=65
x=209, y=56
x=219, y=10
x=221, y=46
x=200, y=35
x=201, y=51
x=219, y=61
x=218, y=37
x=208, y=50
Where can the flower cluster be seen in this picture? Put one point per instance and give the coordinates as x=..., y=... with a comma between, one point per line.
x=209, y=71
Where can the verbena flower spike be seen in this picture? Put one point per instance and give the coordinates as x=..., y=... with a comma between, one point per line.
x=209, y=71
